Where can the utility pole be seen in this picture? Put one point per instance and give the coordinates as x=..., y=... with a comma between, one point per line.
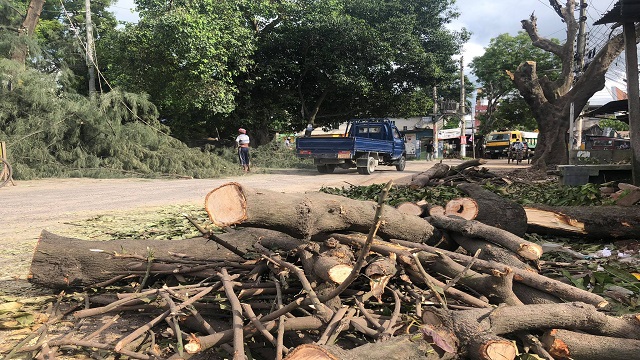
x=582, y=38
x=90, y=57
x=633, y=91
x=435, y=122
x=463, y=138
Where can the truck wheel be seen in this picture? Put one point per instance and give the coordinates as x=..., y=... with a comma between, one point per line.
x=401, y=164
x=371, y=166
x=330, y=168
x=322, y=169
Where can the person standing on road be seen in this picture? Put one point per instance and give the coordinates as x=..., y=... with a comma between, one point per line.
x=242, y=142
x=429, y=150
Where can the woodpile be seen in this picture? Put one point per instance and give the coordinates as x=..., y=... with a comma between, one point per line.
x=317, y=276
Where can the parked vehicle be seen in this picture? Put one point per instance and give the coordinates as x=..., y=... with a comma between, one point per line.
x=366, y=144
x=607, y=143
x=497, y=143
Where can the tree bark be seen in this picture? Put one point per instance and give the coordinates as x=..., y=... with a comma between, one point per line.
x=565, y=345
x=478, y=329
x=63, y=262
x=495, y=210
x=28, y=27
x=472, y=228
x=422, y=179
x=306, y=215
x=405, y=347
x=594, y=222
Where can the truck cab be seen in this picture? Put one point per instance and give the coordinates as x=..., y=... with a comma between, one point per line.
x=366, y=144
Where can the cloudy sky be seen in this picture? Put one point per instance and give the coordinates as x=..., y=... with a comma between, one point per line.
x=487, y=19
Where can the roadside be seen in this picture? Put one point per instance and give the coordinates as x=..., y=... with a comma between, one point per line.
x=56, y=204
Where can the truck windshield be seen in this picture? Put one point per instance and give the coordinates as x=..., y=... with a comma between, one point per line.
x=498, y=137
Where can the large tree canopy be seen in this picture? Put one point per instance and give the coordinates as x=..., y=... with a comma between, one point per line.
x=334, y=59
x=506, y=108
x=185, y=55
x=278, y=65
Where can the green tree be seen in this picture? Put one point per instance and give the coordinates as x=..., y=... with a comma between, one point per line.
x=505, y=53
x=331, y=60
x=614, y=124
x=185, y=55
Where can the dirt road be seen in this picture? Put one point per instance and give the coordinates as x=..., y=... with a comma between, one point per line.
x=30, y=206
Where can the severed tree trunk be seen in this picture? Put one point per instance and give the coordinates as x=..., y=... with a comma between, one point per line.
x=62, y=262
x=565, y=345
x=422, y=179
x=405, y=347
x=490, y=209
x=479, y=331
x=594, y=222
x=310, y=214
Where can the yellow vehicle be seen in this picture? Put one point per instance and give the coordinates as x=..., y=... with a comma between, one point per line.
x=497, y=143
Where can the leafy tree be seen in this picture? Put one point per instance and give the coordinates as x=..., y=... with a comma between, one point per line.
x=505, y=53
x=550, y=99
x=331, y=60
x=614, y=124
x=185, y=55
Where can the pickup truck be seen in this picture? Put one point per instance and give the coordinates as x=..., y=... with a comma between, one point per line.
x=364, y=145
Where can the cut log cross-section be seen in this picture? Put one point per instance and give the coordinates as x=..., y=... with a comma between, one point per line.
x=489, y=208
x=306, y=215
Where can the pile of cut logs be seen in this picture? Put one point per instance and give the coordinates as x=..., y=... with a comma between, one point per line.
x=318, y=276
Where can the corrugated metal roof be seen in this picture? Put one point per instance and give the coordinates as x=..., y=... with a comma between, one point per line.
x=623, y=11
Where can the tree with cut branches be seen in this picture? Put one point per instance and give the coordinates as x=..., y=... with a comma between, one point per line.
x=550, y=100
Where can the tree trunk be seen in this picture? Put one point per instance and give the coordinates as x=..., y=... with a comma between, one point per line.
x=405, y=347
x=62, y=262
x=494, y=210
x=28, y=27
x=594, y=222
x=565, y=345
x=306, y=215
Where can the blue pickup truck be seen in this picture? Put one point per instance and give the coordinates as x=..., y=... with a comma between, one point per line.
x=364, y=145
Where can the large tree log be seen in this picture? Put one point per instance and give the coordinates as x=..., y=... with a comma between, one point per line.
x=405, y=347
x=422, y=179
x=494, y=210
x=61, y=262
x=529, y=278
x=565, y=345
x=473, y=228
x=306, y=215
x=475, y=328
x=594, y=222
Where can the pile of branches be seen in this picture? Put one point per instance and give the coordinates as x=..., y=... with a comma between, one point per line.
x=467, y=171
x=325, y=277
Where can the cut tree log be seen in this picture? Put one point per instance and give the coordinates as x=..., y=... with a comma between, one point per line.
x=306, y=215
x=422, y=179
x=62, y=262
x=476, y=329
x=410, y=208
x=405, y=347
x=492, y=209
x=593, y=222
x=565, y=345
x=473, y=228
x=529, y=278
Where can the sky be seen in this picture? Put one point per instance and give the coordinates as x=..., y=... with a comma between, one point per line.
x=486, y=19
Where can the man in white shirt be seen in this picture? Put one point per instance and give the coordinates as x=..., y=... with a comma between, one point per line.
x=242, y=142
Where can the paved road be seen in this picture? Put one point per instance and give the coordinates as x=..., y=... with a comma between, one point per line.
x=30, y=206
